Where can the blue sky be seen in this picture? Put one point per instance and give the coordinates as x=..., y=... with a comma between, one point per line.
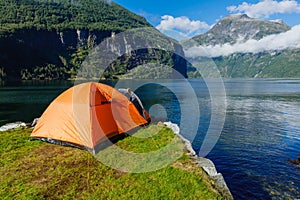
x=182, y=19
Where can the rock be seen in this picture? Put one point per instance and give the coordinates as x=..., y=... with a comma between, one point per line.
x=34, y=122
x=296, y=162
x=207, y=165
x=176, y=130
x=11, y=126
x=210, y=169
x=222, y=187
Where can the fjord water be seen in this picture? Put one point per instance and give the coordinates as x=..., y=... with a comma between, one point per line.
x=24, y=101
x=261, y=130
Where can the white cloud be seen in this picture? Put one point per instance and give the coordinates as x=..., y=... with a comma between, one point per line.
x=266, y=8
x=181, y=26
x=289, y=39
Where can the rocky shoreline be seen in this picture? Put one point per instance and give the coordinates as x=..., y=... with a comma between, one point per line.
x=11, y=126
x=206, y=164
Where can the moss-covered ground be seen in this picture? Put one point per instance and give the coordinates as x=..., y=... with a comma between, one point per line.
x=32, y=169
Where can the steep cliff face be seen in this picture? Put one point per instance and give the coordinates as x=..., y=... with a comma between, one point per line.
x=50, y=39
x=32, y=54
x=121, y=53
x=32, y=50
x=43, y=41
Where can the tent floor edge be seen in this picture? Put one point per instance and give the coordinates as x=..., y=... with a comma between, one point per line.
x=59, y=142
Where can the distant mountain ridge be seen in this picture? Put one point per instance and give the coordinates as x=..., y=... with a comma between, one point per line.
x=240, y=29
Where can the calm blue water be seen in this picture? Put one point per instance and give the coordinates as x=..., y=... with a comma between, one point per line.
x=261, y=130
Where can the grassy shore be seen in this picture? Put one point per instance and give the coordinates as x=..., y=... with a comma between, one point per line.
x=38, y=170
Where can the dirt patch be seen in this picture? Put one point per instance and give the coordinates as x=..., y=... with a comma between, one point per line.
x=52, y=169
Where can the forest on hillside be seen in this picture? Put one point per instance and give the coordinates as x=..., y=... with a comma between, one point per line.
x=66, y=14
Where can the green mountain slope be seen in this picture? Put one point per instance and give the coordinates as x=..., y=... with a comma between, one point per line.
x=62, y=15
x=281, y=64
x=49, y=39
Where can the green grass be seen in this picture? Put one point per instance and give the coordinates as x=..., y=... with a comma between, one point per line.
x=149, y=139
x=37, y=170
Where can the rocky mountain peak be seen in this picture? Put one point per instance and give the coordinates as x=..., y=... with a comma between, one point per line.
x=238, y=28
x=236, y=17
x=243, y=58
x=278, y=21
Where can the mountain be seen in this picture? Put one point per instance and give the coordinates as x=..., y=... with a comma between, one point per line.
x=49, y=39
x=240, y=27
x=239, y=44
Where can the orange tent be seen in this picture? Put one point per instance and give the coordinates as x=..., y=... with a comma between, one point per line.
x=87, y=114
